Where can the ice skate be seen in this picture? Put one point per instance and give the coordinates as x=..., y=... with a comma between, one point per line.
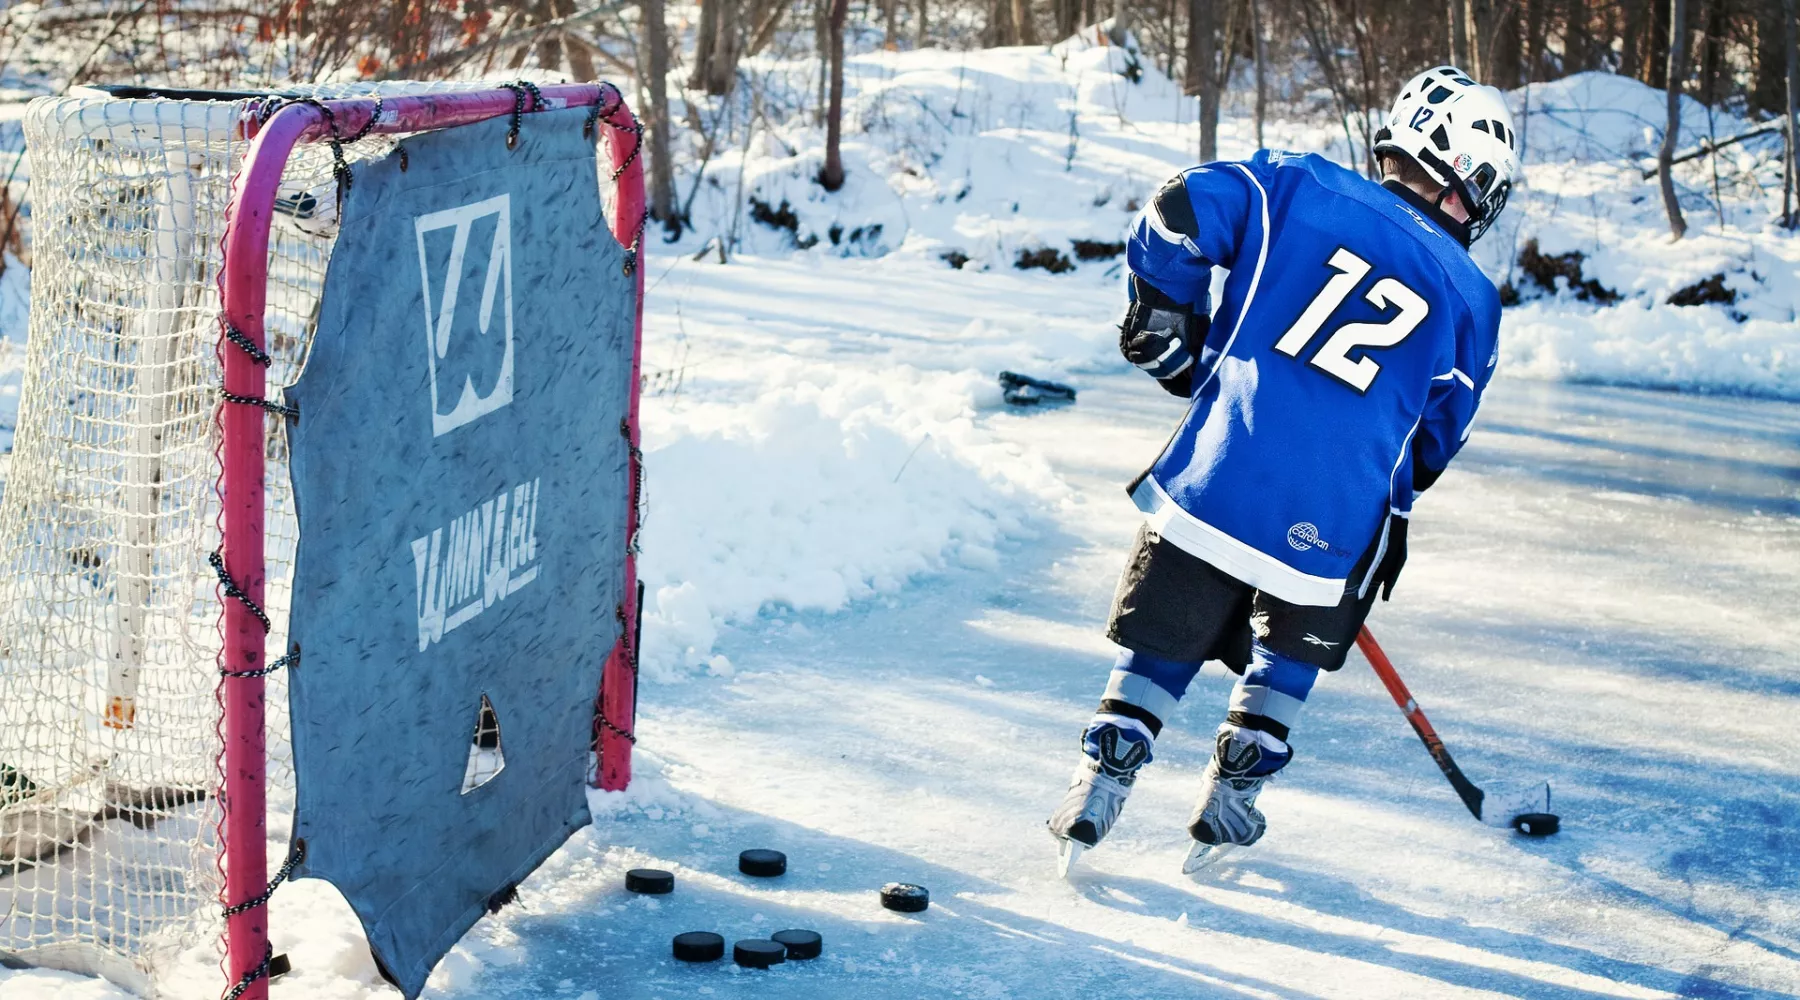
x=1110, y=758
x=1225, y=816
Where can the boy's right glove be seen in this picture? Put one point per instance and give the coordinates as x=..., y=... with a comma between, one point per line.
x=1160, y=336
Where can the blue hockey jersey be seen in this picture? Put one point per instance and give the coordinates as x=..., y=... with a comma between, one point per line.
x=1354, y=336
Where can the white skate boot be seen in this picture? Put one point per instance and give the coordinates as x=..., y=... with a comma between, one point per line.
x=1112, y=752
x=1225, y=817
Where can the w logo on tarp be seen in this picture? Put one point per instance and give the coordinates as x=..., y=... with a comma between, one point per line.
x=467, y=254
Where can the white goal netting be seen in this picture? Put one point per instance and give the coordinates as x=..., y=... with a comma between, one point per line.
x=108, y=609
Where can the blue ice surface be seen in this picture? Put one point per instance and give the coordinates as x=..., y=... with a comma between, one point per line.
x=1600, y=595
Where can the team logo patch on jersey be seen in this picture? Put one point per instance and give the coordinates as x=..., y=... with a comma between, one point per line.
x=1305, y=535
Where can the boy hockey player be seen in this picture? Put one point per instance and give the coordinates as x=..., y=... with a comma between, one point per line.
x=1336, y=380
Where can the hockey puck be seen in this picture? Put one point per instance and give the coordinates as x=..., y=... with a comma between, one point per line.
x=799, y=943
x=758, y=953
x=762, y=863
x=1537, y=824
x=649, y=881
x=904, y=897
x=699, y=946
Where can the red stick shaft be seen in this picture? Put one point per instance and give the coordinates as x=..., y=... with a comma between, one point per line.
x=1390, y=678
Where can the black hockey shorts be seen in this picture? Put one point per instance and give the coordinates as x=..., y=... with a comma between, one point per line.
x=1175, y=605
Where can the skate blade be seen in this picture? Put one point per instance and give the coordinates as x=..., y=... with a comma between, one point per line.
x=1204, y=856
x=1066, y=857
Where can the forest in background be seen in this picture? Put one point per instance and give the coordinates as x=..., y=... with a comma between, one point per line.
x=687, y=63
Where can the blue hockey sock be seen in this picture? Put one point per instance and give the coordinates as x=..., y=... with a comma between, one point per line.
x=1266, y=704
x=1146, y=688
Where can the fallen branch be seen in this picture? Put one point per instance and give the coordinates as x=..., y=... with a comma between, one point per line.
x=1709, y=146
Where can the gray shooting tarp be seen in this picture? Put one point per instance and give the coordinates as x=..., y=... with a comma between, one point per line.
x=461, y=483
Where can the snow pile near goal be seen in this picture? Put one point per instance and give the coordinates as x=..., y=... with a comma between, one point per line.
x=827, y=485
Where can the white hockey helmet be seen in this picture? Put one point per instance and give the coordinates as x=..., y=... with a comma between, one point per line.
x=1461, y=133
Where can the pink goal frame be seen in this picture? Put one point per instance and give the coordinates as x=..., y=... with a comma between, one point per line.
x=243, y=288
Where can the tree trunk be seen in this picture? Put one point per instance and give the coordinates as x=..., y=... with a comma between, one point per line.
x=550, y=48
x=1537, y=31
x=726, y=48
x=1657, y=39
x=890, y=38
x=998, y=30
x=1459, y=34
x=1674, y=72
x=1024, y=25
x=1631, y=56
x=1203, y=73
x=1261, y=49
x=1792, y=167
x=832, y=177
x=1578, y=39
x=656, y=116
x=1068, y=18
x=1121, y=26
x=703, y=42
x=1478, y=19
x=1712, y=53
x=1503, y=53
x=822, y=43
x=921, y=39
x=1769, y=85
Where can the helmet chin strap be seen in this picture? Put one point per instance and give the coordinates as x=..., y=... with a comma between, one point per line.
x=1452, y=184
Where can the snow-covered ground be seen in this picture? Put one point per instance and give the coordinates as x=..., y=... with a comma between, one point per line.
x=876, y=593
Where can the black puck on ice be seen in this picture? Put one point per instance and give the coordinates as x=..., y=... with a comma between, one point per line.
x=699, y=946
x=1537, y=824
x=755, y=953
x=799, y=943
x=762, y=863
x=904, y=897
x=649, y=881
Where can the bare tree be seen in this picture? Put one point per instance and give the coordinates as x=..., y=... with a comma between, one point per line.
x=662, y=172
x=1121, y=22
x=1024, y=24
x=1202, y=72
x=1459, y=34
x=922, y=38
x=1677, y=71
x=832, y=177
x=1791, y=166
x=1261, y=50
x=717, y=46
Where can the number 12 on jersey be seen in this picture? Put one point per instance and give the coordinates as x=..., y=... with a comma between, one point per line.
x=1334, y=358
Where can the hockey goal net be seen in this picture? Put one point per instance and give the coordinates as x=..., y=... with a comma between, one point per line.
x=115, y=736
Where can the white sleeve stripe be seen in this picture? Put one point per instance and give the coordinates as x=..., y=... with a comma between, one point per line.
x=1457, y=374
x=1262, y=257
x=1161, y=229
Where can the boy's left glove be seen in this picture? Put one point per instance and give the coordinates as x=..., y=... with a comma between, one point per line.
x=1160, y=336
x=1387, y=572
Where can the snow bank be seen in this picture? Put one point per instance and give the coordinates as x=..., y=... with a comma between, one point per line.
x=1700, y=349
x=836, y=485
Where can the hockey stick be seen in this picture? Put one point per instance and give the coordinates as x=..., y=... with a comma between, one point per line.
x=1528, y=812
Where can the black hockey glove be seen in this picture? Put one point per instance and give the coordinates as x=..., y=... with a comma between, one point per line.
x=1388, y=570
x=1160, y=336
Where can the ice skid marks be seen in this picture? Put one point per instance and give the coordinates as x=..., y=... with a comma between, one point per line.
x=1500, y=807
x=1203, y=856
